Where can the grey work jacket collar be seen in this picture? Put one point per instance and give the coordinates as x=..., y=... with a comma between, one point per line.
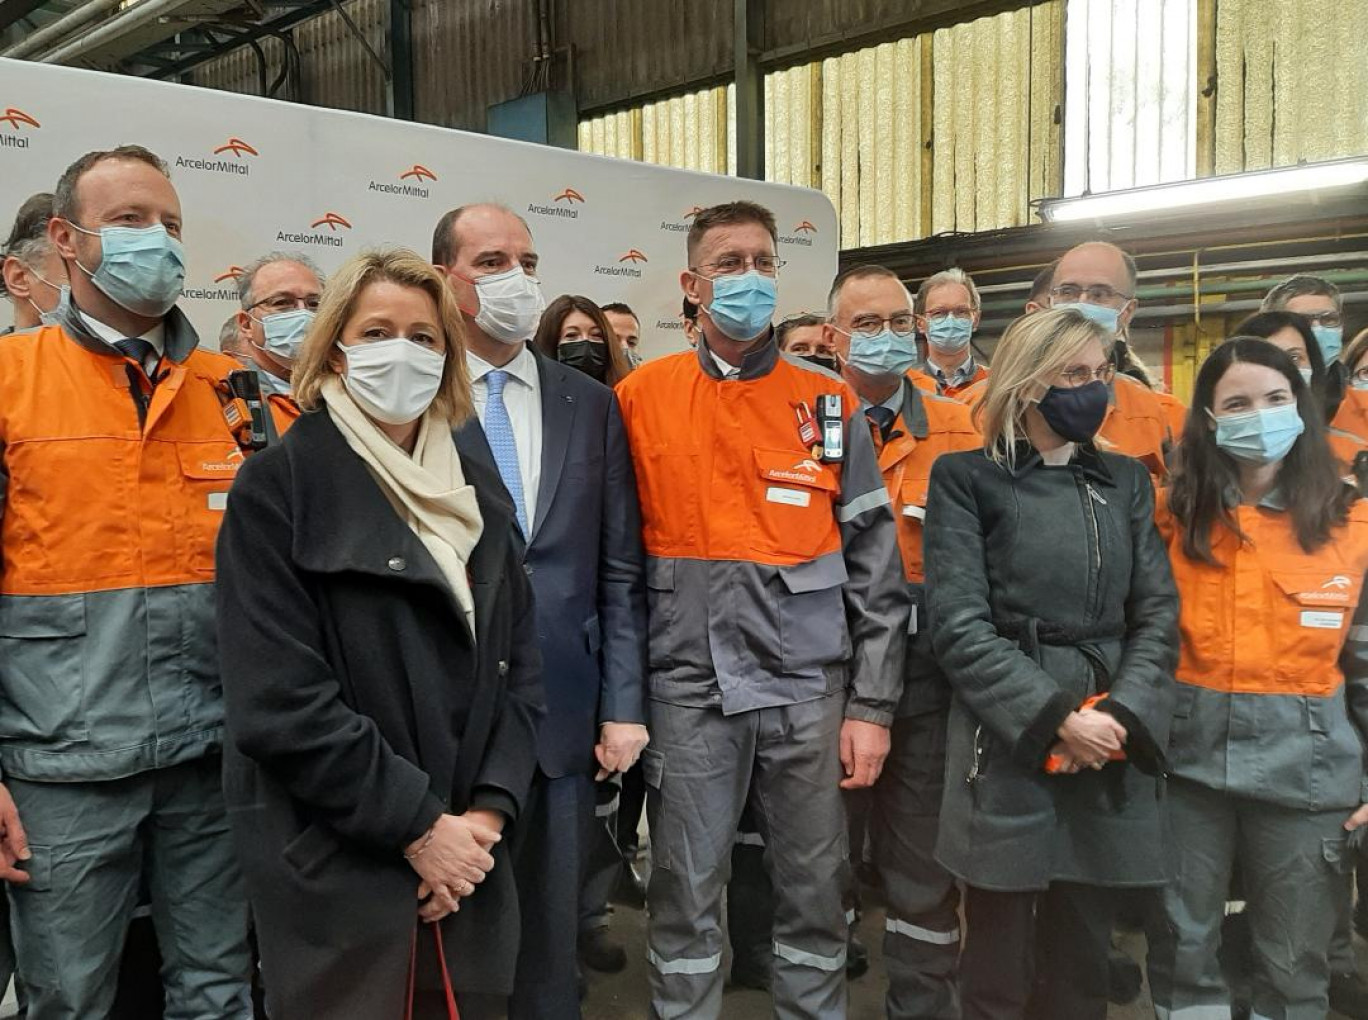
x=758, y=362
x=181, y=338
x=914, y=410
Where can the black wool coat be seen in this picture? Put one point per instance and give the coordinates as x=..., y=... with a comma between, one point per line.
x=358, y=710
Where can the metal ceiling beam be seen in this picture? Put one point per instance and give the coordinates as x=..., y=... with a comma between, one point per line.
x=300, y=13
x=749, y=37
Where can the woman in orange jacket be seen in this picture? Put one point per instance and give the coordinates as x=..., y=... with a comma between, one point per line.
x=1269, y=549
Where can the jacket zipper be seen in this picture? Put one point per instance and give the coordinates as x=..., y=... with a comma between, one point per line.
x=975, y=771
x=1091, y=497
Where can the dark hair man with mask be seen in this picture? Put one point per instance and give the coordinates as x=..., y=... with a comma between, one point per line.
x=118, y=456
x=627, y=327
x=776, y=626
x=556, y=438
x=33, y=274
x=804, y=336
x=279, y=294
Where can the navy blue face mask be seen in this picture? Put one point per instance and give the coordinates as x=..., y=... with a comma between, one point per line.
x=1075, y=413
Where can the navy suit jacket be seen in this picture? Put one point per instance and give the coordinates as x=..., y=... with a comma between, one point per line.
x=587, y=566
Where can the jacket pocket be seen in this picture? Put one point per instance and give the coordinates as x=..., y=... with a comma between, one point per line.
x=42, y=668
x=207, y=473
x=653, y=774
x=812, y=622
x=794, y=506
x=660, y=611
x=308, y=852
x=1309, y=625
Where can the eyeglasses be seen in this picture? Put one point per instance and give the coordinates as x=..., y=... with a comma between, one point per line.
x=950, y=313
x=871, y=325
x=1097, y=294
x=731, y=265
x=1360, y=375
x=286, y=303
x=1081, y=376
x=1329, y=319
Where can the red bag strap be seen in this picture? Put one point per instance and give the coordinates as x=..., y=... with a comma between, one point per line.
x=452, y=1012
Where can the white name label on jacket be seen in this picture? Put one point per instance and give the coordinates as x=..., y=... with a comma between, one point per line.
x=218, y=501
x=1321, y=620
x=789, y=497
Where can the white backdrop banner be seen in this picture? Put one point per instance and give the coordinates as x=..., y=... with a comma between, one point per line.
x=257, y=175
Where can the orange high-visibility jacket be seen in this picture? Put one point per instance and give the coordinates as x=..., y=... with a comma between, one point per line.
x=1273, y=666
x=114, y=489
x=284, y=411
x=768, y=570
x=926, y=427
x=1348, y=433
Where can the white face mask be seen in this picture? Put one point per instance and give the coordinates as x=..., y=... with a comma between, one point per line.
x=511, y=305
x=393, y=380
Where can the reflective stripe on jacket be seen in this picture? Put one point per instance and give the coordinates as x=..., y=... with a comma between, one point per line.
x=111, y=510
x=767, y=569
x=1273, y=668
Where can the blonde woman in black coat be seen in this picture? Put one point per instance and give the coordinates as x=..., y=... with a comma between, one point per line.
x=380, y=671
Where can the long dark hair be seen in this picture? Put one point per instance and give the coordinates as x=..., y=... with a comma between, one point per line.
x=547, y=339
x=1204, y=474
x=1265, y=324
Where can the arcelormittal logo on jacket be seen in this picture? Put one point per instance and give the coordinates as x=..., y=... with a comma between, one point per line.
x=327, y=230
x=234, y=158
x=20, y=125
x=807, y=472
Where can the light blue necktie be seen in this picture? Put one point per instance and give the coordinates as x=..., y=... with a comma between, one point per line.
x=499, y=431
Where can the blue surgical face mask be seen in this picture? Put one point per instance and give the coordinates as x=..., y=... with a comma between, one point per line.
x=285, y=332
x=884, y=354
x=141, y=268
x=1262, y=436
x=950, y=333
x=1330, y=339
x=743, y=305
x=58, y=314
x=1107, y=317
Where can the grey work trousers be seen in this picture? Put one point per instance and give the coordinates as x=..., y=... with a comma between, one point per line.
x=921, y=932
x=701, y=770
x=92, y=844
x=1290, y=862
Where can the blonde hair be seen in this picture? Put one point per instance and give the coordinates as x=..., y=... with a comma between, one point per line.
x=1035, y=349
x=394, y=265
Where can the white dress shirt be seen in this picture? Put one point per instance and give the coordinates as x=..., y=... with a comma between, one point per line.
x=522, y=398
x=156, y=336
x=728, y=370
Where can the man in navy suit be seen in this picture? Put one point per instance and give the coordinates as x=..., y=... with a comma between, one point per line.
x=557, y=440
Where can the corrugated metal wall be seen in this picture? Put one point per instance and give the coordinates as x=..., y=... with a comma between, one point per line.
x=1292, y=82
x=629, y=48
x=695, y=131
x=1131, y=118
x=469, y=55
x=336, y=70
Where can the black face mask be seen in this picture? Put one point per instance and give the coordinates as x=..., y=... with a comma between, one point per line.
x=589, y=356
x=1075, y=413
x=827, y=361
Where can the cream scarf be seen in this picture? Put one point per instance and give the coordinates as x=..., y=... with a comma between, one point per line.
x=428, y=490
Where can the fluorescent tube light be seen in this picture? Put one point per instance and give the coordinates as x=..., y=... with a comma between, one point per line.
x=1207, y=191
